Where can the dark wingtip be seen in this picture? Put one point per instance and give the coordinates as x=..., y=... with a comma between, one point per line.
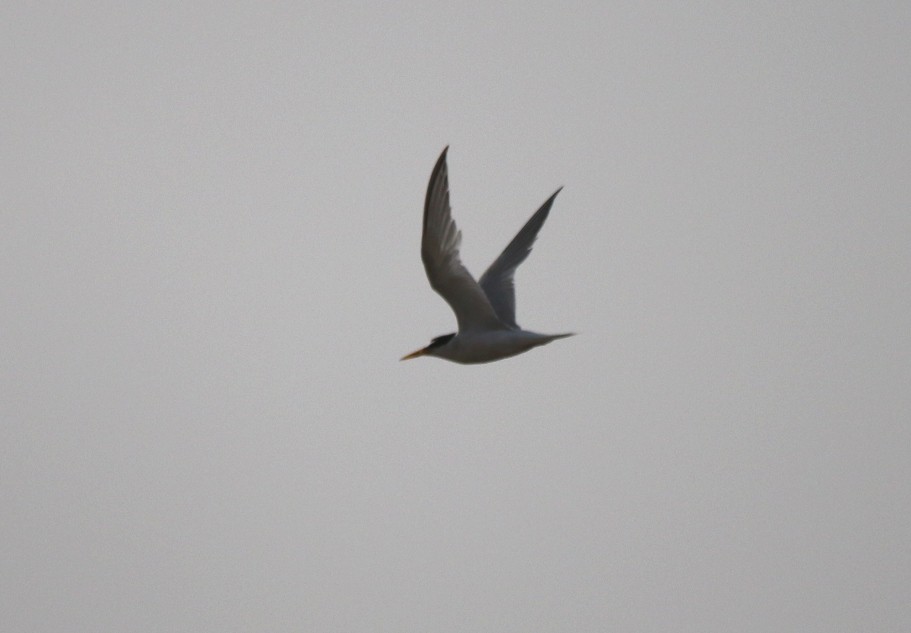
x=550, y=200
x=437, y=168
x=545, y=208
x=439, y=165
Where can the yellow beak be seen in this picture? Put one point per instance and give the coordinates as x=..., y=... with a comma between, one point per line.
x=420, y=352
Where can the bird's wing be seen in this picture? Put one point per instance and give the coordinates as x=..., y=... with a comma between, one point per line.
x=440, y=254
x=497, y=281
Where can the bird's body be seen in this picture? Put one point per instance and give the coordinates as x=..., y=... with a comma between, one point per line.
x=485, y=346
x=485, y=310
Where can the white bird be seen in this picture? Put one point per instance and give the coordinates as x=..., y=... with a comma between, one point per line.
x=485, y=310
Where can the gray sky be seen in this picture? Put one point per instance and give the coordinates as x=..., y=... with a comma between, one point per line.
x=209, y=259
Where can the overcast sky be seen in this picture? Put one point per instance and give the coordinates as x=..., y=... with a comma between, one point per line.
x=209, y=260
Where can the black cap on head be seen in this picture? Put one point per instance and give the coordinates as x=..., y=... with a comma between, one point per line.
x=439, y=341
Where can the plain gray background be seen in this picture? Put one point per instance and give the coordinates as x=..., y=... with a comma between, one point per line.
x=210, y=266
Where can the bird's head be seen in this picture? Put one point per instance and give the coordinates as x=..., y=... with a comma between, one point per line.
x=431, y=350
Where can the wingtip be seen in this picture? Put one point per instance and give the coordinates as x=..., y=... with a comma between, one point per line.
x=438, y=167
x=441, y=160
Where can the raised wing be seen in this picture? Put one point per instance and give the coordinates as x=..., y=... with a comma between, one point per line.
x=440, y=254
x=497, y=281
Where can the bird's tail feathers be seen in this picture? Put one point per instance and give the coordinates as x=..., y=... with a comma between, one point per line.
x=554, y=337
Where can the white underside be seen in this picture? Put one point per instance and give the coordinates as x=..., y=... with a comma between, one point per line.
x=486, y=346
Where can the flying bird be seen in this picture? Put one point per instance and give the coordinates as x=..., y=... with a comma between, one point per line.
x=485, y=310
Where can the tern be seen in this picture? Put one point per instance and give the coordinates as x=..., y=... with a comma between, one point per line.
x=485, y=310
